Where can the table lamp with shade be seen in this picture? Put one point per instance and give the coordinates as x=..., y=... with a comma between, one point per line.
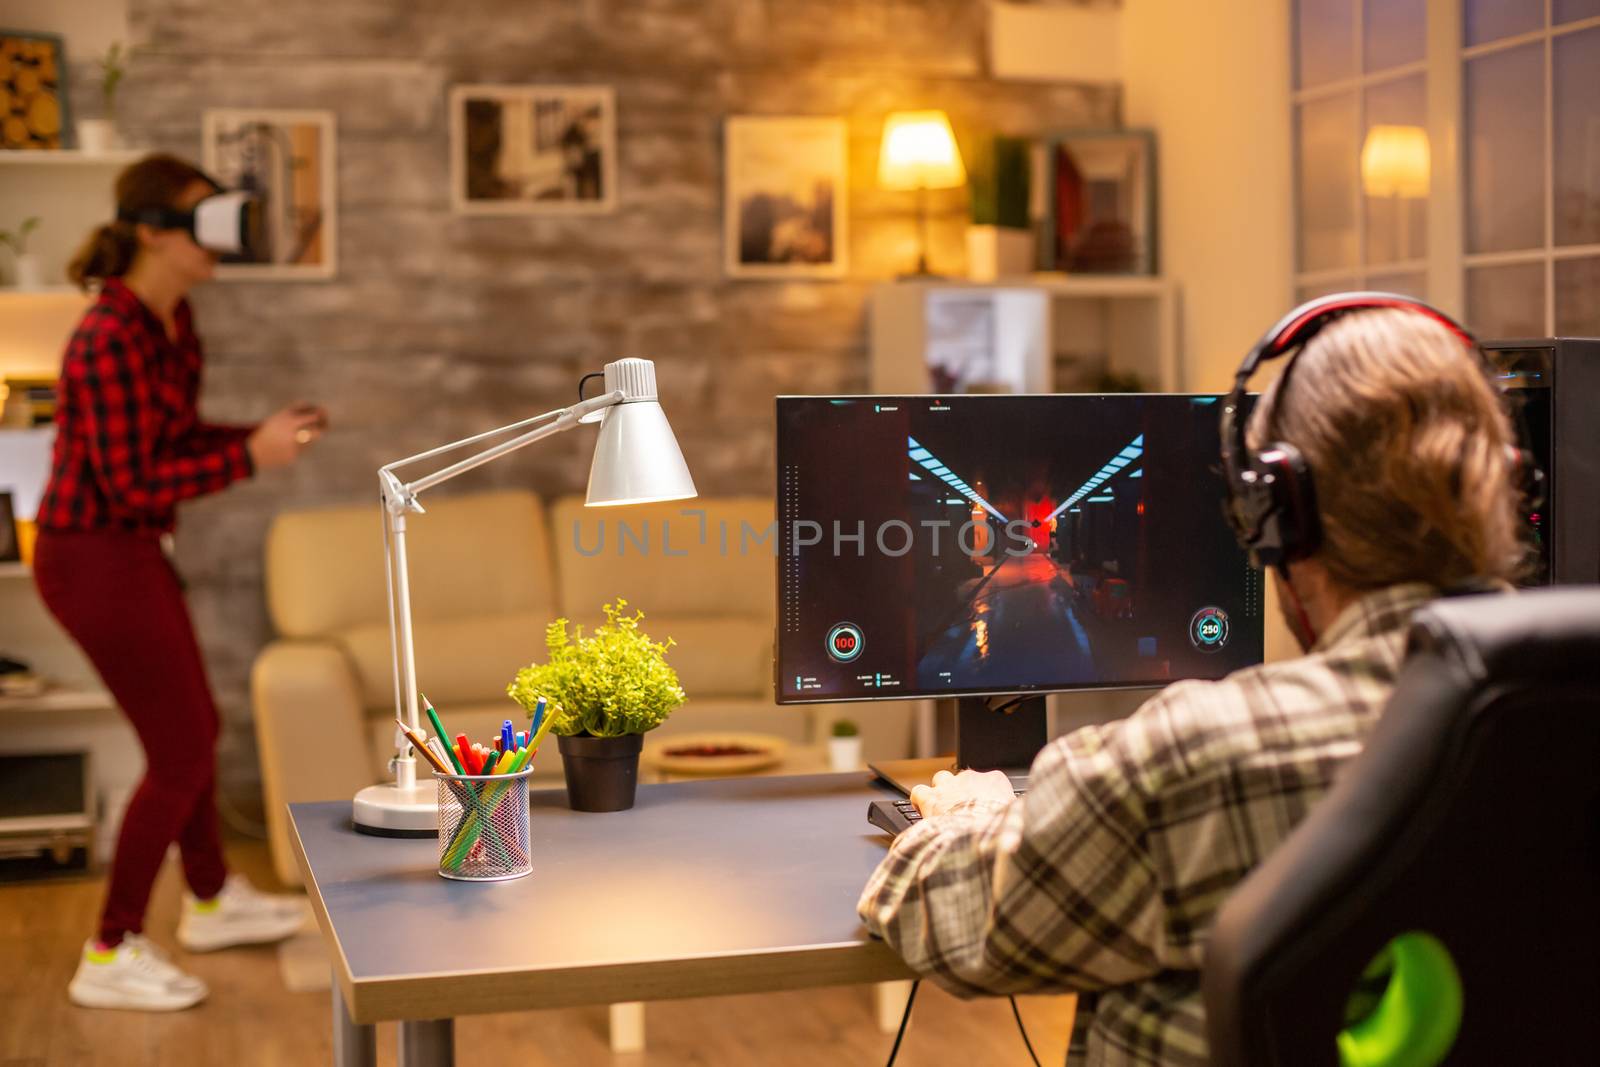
x=919, y=153
x=636, y=461
x=1396, y=163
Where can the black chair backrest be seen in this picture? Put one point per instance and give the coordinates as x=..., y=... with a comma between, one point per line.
x=1473, y=814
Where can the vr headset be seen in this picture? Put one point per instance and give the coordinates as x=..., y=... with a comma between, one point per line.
x=230, y=221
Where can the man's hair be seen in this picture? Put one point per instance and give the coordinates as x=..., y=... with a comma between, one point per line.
x=1411, y=450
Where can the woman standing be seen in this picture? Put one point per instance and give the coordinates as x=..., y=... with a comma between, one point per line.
x=129, y=446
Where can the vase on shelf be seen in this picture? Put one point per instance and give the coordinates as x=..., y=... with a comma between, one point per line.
x=28, y=272
x=844, y=753
x=96, y=137
x=996, y=252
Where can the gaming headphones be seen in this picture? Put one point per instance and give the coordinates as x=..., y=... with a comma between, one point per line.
x=1272, y=499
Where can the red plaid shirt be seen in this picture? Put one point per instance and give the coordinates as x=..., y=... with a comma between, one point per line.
x=129, y=440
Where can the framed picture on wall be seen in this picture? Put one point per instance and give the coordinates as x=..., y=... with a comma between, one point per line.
x=786, y=198
x=33, y=91
x=1100, y=202
x=287, y=157
x=533, y=149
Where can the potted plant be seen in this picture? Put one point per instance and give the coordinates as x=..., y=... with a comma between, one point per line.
x=28, y=274
x=96, y=136
x=1000, y=240
x=844, y=746
x=604, y=690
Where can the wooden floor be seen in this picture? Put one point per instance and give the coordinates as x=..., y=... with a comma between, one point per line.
x=252, y=1019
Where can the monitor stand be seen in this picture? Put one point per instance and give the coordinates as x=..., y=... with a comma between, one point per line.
x=987, y=739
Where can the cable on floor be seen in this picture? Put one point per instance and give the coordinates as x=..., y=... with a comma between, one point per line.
x=1023, y=1030
x=906, y=1018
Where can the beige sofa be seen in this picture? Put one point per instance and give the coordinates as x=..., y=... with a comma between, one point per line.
x=488, y=571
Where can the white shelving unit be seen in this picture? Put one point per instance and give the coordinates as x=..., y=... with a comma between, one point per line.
x=69, y=157
x=75, y=714
x=70, y=191
x=1129, y=321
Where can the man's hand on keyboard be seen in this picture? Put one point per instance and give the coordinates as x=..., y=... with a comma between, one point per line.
x=979, y=791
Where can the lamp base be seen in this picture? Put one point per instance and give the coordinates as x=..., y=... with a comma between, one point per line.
x=389, y=811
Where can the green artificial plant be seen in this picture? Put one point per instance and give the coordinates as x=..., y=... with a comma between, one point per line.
x=845, y=728
x=613, y=682
x=112, y=70
x=998, y=184
x=17, y=240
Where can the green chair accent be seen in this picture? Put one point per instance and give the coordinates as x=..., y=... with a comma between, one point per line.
x=1417, y=1016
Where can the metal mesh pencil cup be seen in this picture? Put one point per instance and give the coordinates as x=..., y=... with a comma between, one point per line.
x=484, y=835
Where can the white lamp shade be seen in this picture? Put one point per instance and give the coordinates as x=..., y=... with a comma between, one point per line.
x=919, y=152
x=636, y=459
x=1395, y=161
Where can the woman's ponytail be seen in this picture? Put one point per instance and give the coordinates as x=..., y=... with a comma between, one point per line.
x=108, y=252
x=156, y=181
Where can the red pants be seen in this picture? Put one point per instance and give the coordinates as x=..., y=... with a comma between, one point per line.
x=118, y=596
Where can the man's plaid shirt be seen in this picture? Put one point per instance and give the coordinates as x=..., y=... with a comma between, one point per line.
x=1105, y=878
x=129, y=442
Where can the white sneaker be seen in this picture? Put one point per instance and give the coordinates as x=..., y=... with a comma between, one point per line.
x=239, y=915
x=134, y=976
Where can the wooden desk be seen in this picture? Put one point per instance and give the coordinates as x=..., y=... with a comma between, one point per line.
x=736, y=885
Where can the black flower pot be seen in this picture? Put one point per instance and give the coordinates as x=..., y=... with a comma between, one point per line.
x=602, y=772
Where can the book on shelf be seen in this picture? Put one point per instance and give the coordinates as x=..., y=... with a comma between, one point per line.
x=28, y=401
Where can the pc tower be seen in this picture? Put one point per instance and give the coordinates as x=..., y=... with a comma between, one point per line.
x=1554, y=384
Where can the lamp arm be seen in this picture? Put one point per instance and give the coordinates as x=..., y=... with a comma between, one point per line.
x=474, y=439
x=402, y=495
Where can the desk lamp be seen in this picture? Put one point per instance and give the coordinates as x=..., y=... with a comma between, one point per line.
x=919, y=152
x=636, y=461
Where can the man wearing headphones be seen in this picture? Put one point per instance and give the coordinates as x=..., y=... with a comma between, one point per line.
x=1376, y=476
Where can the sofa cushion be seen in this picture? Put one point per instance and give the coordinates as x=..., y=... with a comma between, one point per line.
x=654, y=556
x=715, y=657
x=478, y=555
x=457, y=659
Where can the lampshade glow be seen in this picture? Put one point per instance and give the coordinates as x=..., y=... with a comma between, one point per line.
x=919, y=152
x=1395, y=161
x=636, y=459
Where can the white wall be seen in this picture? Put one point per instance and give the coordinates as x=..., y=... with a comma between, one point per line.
x=1212, y=79
x=1049, y=42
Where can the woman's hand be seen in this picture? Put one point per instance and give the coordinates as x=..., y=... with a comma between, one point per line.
x=278, y=440
x=980, y=791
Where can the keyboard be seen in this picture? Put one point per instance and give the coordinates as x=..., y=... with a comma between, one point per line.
x=894, y=817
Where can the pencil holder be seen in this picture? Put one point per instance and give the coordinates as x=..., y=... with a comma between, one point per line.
x=484, y=834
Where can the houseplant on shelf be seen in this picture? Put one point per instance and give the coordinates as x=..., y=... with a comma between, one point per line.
x=96, y=136
x=1000, y=241
x=844, y=746
x=28, y=274
x=604, y=690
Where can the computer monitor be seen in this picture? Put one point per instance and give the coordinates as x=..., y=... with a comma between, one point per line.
x=934, y=546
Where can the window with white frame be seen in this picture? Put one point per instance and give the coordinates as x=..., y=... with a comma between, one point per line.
x=1527, y=76
x=1531, y=166
x=1361, y=161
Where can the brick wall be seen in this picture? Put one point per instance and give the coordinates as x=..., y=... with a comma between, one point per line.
x=439, y=326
